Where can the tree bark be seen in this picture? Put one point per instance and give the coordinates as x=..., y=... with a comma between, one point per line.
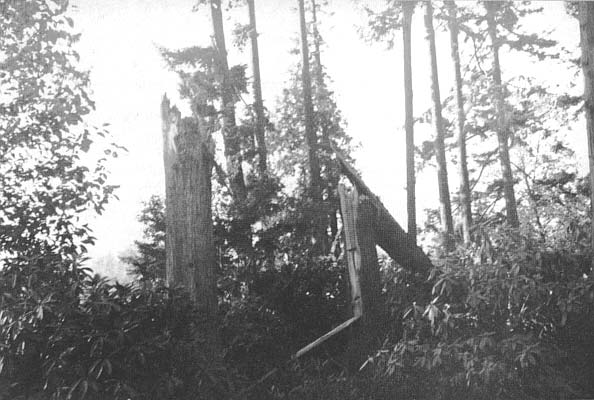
x=502, y=129
x=170, y=118
x=332, y=198
x=190, y=251
x=231, y=138
x=319, y=74
x=257, y=85
x=189, y=239
x=367, y=332
x=464, y=190
x=586, y=18
x=408, y=8
x=310, y=133
x=389, y=235
x=445, y=207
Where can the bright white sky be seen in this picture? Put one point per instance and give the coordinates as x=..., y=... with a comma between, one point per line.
x=118, y=45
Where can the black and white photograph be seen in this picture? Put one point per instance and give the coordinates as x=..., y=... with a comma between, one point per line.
x=296, y=199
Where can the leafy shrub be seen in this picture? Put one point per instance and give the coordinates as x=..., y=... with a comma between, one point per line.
x=498, y=328
x=69, y=335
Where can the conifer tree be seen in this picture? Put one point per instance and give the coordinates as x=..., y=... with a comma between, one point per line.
x=445, y=208
x=231, y=138
x=464, y=190
x=257, y=87
x=511, y=209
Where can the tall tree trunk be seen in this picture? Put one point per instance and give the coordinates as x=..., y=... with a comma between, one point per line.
x=189, y=246
x=445, y=207
x=190, y=249
x=464, y=190
x=231, y=138
x=321, y=86
x=319, y=74
x=310, y=133
x=258, y=102
x=174, y=274
x=586, y=17
x=502, y=128
x=408, y=8
x=315, y=188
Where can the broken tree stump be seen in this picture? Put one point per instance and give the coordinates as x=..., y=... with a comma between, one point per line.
x=389, y=235
x=364, y=275
x=190, y=251
x=189, y=236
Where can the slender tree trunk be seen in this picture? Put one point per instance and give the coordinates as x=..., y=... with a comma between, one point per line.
x=310, y=133
x=315, y=187
x=231, y=138
x=258, y=102
x=319, y=74
x=445, y=208
x=502, y=129
x=464, y=190
x=586, y=17
x=319, y=77
x=408, y=9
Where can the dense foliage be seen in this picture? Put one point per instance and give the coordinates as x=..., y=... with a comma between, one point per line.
x=509, y=316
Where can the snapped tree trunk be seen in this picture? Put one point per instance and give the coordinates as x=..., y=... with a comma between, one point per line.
x=408, y=8
x=388, y=234
x=445, y=207
x=358, y=219
x=502, y=128
x=464, y=190
x=231, y=138
x=586, y=17
x=189, y=241
x=190, y=250
x=257, y=85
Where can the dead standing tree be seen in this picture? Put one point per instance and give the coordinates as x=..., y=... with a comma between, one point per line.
x=189, y=243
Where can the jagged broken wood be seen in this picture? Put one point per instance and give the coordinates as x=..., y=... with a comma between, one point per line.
x=366, y=222
x=389, y=235
x=349, y=200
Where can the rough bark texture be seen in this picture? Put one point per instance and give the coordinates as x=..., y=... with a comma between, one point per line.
x=310, y=133
x=445, y=207
x=189, y=244
x=367, y=332
x=502, y=129
x=388, y=234
x=464, y=190
x=257, y=85
x=586, y=17
x=230, y=133
x=407, y=13
x=170, y=118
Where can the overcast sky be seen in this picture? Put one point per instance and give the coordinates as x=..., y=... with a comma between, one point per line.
x=119, y=46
